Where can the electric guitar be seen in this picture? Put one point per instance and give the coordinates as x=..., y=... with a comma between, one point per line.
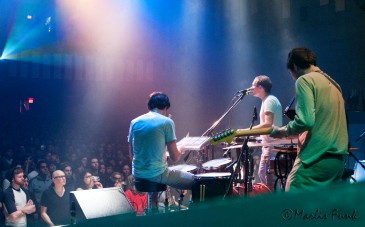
x=228, y=135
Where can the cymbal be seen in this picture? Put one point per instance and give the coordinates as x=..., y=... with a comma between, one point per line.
x=271, y=143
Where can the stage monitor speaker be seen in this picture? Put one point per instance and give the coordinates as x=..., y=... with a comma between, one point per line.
x=96, y=203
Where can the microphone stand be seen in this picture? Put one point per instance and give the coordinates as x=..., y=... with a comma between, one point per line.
x=215, y=124
x=358, y=138
x=245, y=148
x=211, y=129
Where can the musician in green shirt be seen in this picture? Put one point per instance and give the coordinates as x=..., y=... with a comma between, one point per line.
x=320, y=122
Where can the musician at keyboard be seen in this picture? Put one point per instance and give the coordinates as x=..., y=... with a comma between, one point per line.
x=149, y=135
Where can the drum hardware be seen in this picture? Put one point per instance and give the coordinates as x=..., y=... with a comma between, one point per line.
x=216, y=165
x=257, y=189
x=181, y=198
x=358, y=162
x=185, y=168
x=244, y=153
x=283, y=164
x=361, y=136
x=210, y=185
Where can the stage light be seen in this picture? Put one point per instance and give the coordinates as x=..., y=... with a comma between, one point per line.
x=30, y=100
x=29, y=17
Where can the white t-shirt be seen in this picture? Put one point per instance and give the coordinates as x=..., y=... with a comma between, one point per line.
x=20, y=201
x=271, y=104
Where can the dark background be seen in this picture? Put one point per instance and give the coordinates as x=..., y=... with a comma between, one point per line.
x=200, y=52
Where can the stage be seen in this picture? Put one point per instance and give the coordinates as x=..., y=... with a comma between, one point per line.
x=339, y=205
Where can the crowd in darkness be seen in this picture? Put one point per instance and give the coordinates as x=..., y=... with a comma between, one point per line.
x=98, y=163
x=102, y=159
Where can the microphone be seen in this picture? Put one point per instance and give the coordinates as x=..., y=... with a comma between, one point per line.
x=255, y=114
x=246, y=91
x=288, y=106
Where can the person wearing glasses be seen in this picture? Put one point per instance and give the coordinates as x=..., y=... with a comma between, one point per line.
x=55, y=202
x=116, y=180
x=88, y=181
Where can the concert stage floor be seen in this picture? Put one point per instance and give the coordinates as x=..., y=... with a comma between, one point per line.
x=339, y=205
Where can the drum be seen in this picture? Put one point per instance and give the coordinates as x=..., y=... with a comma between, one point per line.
x=257, y=189
x=216, y=165
x=185, y=168
x=210, y=185
x=359, y=172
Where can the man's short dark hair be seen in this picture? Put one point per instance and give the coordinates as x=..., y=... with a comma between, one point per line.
x=302, y=57
x=40, y=162
x=63, y=165
x=158, y=100
x=11, y=173
x=264, y=82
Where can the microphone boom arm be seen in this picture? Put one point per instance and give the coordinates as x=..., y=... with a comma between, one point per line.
x=215, y=124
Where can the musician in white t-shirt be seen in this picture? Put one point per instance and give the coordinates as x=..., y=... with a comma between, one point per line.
x=270, y=114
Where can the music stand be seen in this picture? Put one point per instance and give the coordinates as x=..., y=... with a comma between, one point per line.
x=194, y=143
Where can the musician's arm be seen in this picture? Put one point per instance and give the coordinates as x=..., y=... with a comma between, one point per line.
x=130, y=151
x=268, y=121
x=305, y=112
x=175, y=153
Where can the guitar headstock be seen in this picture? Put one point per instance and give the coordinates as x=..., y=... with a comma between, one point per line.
x=224, y=136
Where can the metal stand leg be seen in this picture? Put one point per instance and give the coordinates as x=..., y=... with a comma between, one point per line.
x=181, y=199
x=283, y=164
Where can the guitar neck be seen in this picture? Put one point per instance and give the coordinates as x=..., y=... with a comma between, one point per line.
x=253, y=132
x=228, y=135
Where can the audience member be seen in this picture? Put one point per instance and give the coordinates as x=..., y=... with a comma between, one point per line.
x=126, y=170
x=9, y=176
x=17, y=201
x=41, y=182
x=88, y=181
x=70, y=177
x=83, y=165
x=137, y=199
x=55, y=203
x=116, y=177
